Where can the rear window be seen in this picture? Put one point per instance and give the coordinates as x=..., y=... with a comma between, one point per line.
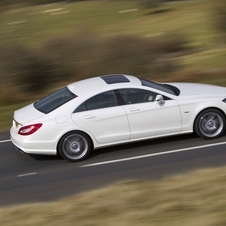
x=54, y=100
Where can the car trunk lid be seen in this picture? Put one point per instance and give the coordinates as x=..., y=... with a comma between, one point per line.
x=27, y=114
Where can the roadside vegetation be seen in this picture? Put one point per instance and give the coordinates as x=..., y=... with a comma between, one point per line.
x=43, y=47
x=196, y=198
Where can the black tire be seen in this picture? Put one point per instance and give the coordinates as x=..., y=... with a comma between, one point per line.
x=75, y=146
x=210, y=124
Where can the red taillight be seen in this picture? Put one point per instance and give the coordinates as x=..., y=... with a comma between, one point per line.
x=27, y=130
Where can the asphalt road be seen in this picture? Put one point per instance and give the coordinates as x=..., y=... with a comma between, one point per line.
x=25, y=178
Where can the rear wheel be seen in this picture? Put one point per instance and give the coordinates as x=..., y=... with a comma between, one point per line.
x=75, y=146
x=210, y=124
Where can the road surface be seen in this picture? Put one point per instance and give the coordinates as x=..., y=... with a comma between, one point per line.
x=26, y=179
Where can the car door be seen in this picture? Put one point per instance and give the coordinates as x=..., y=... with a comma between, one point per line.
x=149, y=118
x=103, y=118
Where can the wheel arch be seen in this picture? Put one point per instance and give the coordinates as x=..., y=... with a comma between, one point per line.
x=74, y=131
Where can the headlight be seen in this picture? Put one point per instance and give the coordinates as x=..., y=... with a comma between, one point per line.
x=224, y=100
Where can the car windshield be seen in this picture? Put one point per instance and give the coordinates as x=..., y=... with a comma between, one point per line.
x=162, y=87
x=54, y=100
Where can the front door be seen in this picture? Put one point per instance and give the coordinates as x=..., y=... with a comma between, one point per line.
x=148, y=118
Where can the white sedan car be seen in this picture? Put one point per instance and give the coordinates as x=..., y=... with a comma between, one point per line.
x=115, y=109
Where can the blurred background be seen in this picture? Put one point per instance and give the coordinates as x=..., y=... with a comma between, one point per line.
x=45, y=44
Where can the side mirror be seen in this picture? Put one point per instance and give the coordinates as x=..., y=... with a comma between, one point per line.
x=159, y=100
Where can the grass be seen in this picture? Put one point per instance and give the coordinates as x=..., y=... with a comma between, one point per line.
x=196, y=198
x=102, y=18
x=195, y=20
x=6, y=114
x=206, y=59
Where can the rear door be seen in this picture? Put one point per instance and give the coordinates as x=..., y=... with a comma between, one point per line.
x=103, y=118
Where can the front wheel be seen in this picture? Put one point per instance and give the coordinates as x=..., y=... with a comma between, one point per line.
x=210, y=124
x=75, y=146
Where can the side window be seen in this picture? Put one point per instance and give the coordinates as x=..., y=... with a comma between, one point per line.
x=102, y=100
x=80, y=108
x=135, y=96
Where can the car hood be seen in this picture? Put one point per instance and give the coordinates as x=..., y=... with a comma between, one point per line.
x=26, y=114
x=196, y=89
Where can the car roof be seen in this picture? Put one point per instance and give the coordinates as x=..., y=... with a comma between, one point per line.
x=104, y=82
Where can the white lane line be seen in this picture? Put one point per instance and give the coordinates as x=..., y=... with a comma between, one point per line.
x=151, y=155
x=4, y=141
x=26, y=174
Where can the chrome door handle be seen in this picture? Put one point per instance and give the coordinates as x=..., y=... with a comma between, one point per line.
x=89, y=116
x=134, y=109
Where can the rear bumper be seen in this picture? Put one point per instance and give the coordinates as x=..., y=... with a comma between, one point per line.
x=18, y=149
x=28, y=145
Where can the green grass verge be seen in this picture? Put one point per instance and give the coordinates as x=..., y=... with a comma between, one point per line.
x=197, y=198
x=6, y=115
x=104, y=18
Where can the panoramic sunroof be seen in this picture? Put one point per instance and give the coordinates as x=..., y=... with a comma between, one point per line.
x=111, y=79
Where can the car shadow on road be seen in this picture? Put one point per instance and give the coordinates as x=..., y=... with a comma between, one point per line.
x=141, y=144
x=183, y=139
x=47, y=157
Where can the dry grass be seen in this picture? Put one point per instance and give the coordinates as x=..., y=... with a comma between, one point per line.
x=86, y=42
x=197, y=198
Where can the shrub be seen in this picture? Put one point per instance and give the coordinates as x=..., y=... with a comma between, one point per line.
x=72, y=54
x=125, y=54
x=173, y=42
x=139, y=56
x=31, y=68
x=81, y=55
x=220, y=16
x=151, y=3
